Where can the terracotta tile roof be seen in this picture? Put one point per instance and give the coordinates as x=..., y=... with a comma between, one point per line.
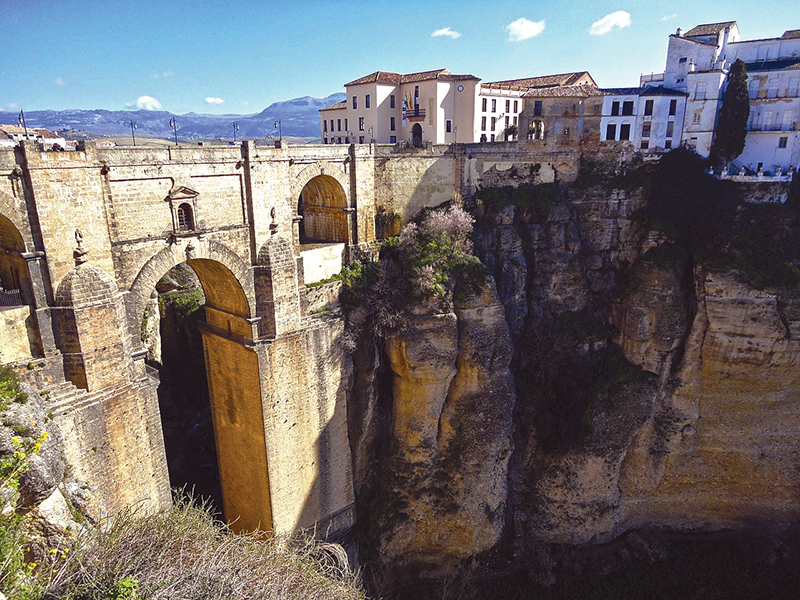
x=708, y=29
x=46, y=134
x=791, y=34
x=12, y=129
x=34, y=131
x=337, y=106
x=564, y=91
x=397, y=78
x=381, y=76
x=543, y=81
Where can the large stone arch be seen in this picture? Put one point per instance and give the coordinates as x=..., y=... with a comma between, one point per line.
x=232, y=369
x=195, y=252
x=323, y=201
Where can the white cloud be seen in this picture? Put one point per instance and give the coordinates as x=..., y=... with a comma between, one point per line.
x=212, y=100
x=62, y=82
x=446, y=32
x=145, y=103
x=167, y=73
x=668, y=17
x=522, y=29
x=618, y=19
x=11, y=106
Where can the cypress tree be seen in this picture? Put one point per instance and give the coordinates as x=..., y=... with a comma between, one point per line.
x=732, y=125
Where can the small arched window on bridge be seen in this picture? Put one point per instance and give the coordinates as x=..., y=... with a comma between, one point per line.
x=183, y=205
x=185, y=217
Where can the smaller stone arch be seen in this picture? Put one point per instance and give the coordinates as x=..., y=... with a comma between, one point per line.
x=10, y=209
x=337, y=171
x=322, y=204
x=89, y=327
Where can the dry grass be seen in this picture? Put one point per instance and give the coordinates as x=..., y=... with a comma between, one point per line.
x=183, y=553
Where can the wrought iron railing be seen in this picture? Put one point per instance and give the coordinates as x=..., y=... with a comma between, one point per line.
x=10, y=298
x=415, y=113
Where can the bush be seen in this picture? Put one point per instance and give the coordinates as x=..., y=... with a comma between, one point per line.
x=437, y=254
x=183, y=552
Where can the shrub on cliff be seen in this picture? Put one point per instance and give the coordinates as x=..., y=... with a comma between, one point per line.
x=181, y=552
x=436, y=255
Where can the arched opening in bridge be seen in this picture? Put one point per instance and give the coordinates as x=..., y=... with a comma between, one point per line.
x=322, y=205
x=175, y=348
x=416, y=135
x=15, y=281
x=211, y=402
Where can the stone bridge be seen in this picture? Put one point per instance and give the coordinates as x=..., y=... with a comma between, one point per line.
x=86, y=235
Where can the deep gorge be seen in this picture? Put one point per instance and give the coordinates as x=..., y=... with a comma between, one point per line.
x=619, y=371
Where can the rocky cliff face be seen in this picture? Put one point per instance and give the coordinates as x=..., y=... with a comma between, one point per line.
x=446, y=441
x=645, y=390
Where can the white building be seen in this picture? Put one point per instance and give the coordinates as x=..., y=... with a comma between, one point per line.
x=650, y=117
x=698, y=62
x=435, y=107
x=431, y=106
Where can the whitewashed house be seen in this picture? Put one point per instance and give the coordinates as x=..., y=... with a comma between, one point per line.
x=698, y=63
x=649, y=117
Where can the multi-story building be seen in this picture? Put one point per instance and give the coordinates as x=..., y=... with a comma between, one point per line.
x=501, y=102
x=649, y=117
x=562, y=117
x=432, y=107
x=698, y=63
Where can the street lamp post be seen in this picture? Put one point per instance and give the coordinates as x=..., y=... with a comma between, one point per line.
x=174, y=126
x=235, y=129
x=133, y=131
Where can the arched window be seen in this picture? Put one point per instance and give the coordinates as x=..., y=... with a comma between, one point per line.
x=185, y=217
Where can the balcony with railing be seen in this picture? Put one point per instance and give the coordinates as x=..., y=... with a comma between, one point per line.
x=415, y=114
x=652, y=78
x=787, y=127
x=10, y=298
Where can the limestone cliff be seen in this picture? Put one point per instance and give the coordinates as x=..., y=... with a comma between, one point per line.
x=441, y=494
x=647, y=387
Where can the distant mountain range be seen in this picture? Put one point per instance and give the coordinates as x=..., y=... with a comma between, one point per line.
x=298, y=117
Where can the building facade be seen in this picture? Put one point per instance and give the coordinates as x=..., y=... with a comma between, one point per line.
x=698, y=63
x=651, y=118
x=435, y=107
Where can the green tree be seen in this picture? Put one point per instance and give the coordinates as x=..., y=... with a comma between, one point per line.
x=732, y=125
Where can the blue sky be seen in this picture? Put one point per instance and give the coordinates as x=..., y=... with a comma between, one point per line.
x=240, y=56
